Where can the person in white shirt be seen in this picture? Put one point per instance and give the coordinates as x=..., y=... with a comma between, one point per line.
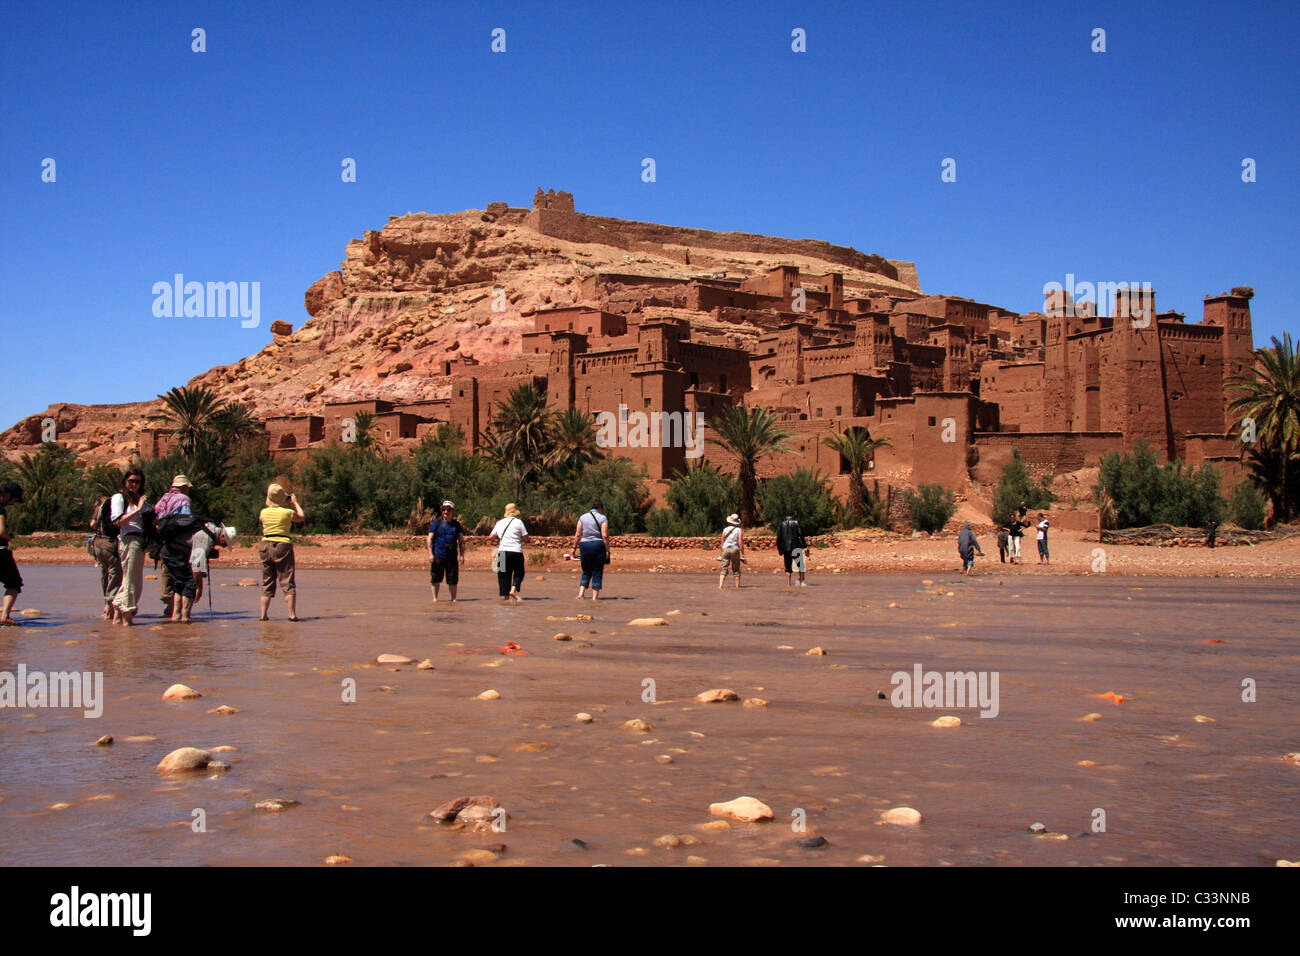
x=733, y=550
x=1043, y=557
x=510, y=534
x=127, y=511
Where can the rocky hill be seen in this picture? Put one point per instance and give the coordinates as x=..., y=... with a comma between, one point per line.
x=417, y=293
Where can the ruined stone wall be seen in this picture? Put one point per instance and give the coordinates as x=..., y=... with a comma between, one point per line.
x=1054, y=452
x=627, y=234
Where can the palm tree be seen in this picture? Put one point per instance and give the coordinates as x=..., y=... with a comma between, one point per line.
x=233, y=423
x=573, y=441
x=190, y=411
x=365, y=426
x=856, y=447
x=749, y=436
x=521, y=433
x=1269, y=394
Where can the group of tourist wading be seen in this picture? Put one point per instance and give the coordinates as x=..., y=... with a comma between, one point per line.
x=127, y=529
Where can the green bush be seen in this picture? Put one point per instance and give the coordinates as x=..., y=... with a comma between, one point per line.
x=1017, y=485
x=54, y=498
x=1247, y=506
x=1145, y=492
x=618, y=483
x=701, y=499
x=930, y=507
x=804, y=494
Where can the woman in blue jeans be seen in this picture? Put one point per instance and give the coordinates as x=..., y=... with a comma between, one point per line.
x=591, y=541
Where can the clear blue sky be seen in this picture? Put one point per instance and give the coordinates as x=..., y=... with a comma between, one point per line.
x=225, y=165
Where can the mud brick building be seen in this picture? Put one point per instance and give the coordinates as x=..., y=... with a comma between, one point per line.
x=828, y=337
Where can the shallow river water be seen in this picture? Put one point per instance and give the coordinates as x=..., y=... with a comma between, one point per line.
x=826, y=748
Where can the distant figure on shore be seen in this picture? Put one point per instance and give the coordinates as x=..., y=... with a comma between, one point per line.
x=176, y=500
x=10, y=493
x=733, y=550
x=103, y=548
x=446, y=546
x=591, y=542
x=1211, y=531
x=790, y=544
x=281, y=513
x=1003, y=539
x=1043, y=556
x=510, y=535
x=968, y=547
x=130, y=511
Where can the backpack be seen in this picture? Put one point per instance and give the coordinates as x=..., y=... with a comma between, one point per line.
x=444, y=541
x=101, y=522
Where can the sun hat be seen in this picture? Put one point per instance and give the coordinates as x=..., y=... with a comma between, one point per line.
x=231, y=534
x=733, y=519
x=512, y=510
x=276, y=496
x=180, y=481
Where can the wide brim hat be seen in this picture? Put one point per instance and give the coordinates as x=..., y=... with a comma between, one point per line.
x=231, y=534
x=512, y=510
x=733, y=520
x=276, y=495
x=180, y=481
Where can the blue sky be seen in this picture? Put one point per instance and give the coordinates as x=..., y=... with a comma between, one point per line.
x=225, y=165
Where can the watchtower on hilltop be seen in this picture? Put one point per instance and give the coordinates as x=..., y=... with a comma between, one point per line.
x=552, y=200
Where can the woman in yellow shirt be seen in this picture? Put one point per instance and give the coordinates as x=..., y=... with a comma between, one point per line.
x=282, y=511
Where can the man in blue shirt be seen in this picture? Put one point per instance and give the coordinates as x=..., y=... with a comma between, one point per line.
x=446, y=545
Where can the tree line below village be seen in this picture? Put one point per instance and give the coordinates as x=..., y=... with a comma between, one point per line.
x=551, y=464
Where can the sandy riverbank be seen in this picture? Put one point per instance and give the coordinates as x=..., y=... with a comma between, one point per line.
x=872, y=552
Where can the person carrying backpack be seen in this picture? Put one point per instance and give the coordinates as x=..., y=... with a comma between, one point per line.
x=446, y=545
x=102, y=546
x=131, y=513
x=790, y=544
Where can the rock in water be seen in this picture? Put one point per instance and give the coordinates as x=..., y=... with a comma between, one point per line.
x=816, y=652
x=393, y=659
x=338, y=859
x=946, y=721
x=901, y=816
x=1037, y=828
x=477, y=812
x=752, y=702
x=1292, y=759
x=104, y=741
x=223, y=709
x=668, y=841
x=561, y=637
x=648, y=622
x=185, y=759
x=639, y=725
x=583, y=718
x=488, y=695
x=717, y=695
x=180, y=692
x=812, y=843
x=425, y=665
x=275, y=804
x=744, y=809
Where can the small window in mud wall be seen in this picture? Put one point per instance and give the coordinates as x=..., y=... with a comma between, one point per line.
x=819, y=413
x=462, y=393
x=695, y=380
x=839, y=410
x=647, y=401
x=1202, y=358
x=446, y=368
x=931, y=421
x=722, y=384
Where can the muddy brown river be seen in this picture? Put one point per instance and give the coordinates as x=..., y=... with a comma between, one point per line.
x=1146, y=783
